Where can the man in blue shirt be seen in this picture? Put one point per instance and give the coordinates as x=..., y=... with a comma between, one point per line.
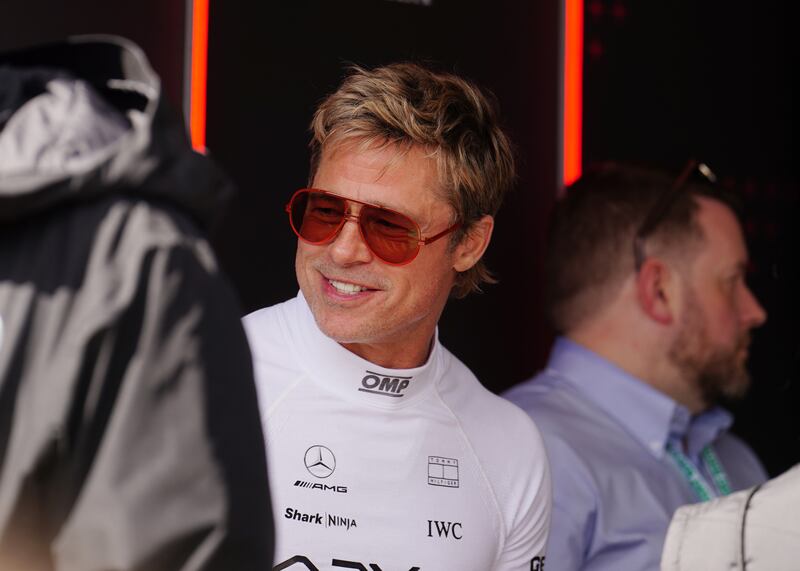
x=646, y=285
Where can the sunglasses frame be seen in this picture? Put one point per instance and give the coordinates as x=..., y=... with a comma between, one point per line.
x=420, y=239
x=663, y=204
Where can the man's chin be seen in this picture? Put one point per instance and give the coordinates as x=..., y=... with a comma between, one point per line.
x=726, y=386
x=343, y=329
x=339, y=332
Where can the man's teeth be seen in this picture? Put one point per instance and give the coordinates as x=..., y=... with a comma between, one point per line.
x=343, y=287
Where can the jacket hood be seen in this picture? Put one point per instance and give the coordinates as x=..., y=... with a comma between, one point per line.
x=84, y=118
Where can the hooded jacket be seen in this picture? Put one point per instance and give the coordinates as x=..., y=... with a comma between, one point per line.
x=129, y=430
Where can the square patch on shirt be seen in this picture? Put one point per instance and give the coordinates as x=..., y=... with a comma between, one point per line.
x=442, y=471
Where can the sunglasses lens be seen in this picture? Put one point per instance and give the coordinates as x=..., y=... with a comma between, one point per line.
x=316, y=217
x=392, y=236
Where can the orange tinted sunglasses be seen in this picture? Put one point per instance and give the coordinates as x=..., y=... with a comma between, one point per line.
x=317, y=217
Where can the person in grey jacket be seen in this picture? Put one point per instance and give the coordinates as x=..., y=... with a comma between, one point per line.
x=129, y=430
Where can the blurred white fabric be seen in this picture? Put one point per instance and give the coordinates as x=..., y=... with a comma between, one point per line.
x=754, y=530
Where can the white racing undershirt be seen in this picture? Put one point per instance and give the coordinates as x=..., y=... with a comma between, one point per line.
x=392, y=469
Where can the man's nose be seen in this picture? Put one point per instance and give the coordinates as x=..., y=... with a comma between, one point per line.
x=348, y=247
x=753, y=313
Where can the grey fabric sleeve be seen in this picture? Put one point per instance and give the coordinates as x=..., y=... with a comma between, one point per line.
x=158, y=462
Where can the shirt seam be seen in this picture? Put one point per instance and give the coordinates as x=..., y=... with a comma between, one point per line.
x=496, y=504
x=277, y=427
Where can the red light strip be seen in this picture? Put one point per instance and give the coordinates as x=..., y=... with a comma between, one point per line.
x=573, y=90
x=197, y=118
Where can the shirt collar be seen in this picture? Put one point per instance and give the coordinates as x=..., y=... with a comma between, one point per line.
x=647, y=414
x=337, y=369
x=705, y=428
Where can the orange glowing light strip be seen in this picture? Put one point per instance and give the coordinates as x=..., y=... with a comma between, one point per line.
x=573, y=90
x=197, y=120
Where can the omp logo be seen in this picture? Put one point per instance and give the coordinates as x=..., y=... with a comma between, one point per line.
x=323, y=519
x=537, y=563
x=320, y=461
x=380, y=384
x=443, y=471
x=321, y=487
x=445, y=529
x=303, y=562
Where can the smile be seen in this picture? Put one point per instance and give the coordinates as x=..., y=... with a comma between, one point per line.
x=346, y=288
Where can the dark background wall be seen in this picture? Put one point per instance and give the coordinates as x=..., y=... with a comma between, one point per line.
x=663, y=82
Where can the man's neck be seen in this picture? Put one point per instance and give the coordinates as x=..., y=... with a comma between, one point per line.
x=640, y=359
x=393, y=355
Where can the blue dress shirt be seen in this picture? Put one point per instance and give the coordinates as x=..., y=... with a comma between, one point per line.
x=615, y=487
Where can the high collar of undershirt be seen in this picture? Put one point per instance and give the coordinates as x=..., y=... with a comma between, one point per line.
x=339, y=370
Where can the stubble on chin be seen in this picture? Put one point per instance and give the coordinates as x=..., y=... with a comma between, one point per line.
x=720, y=373
x=724, y=377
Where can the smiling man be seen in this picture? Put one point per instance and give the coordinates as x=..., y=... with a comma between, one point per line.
x=385, y=450
x=646, y=284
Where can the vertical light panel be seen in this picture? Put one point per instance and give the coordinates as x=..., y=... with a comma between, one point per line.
x=573, y=91
x=198, y=74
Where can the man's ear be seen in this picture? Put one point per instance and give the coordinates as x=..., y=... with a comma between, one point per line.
x=472, y=246
x=656, y=288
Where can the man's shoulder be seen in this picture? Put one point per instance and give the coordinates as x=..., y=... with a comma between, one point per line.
x=475, y=406
x=267, y=328
x=270, y=337
x=570, y=425
x=505, y=440
x=548, y=401
x=508, y=450
x=275, y=363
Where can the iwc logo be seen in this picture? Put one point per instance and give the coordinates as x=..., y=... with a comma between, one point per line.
x=320, y=461
x=445, y=529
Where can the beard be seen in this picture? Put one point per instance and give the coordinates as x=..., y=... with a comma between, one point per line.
x=718, y=372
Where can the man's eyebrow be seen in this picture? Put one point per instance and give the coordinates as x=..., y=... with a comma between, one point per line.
x=393, y=208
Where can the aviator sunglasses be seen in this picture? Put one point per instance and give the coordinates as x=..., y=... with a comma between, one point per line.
x=317, y=217
x=694, y=171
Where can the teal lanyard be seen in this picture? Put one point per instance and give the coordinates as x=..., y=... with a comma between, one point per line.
x=696, y=480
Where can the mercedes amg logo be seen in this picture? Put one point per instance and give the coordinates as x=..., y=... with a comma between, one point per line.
x=320, y=461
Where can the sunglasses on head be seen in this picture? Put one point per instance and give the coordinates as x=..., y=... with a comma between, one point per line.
x=317, y=217
x=694, y=171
